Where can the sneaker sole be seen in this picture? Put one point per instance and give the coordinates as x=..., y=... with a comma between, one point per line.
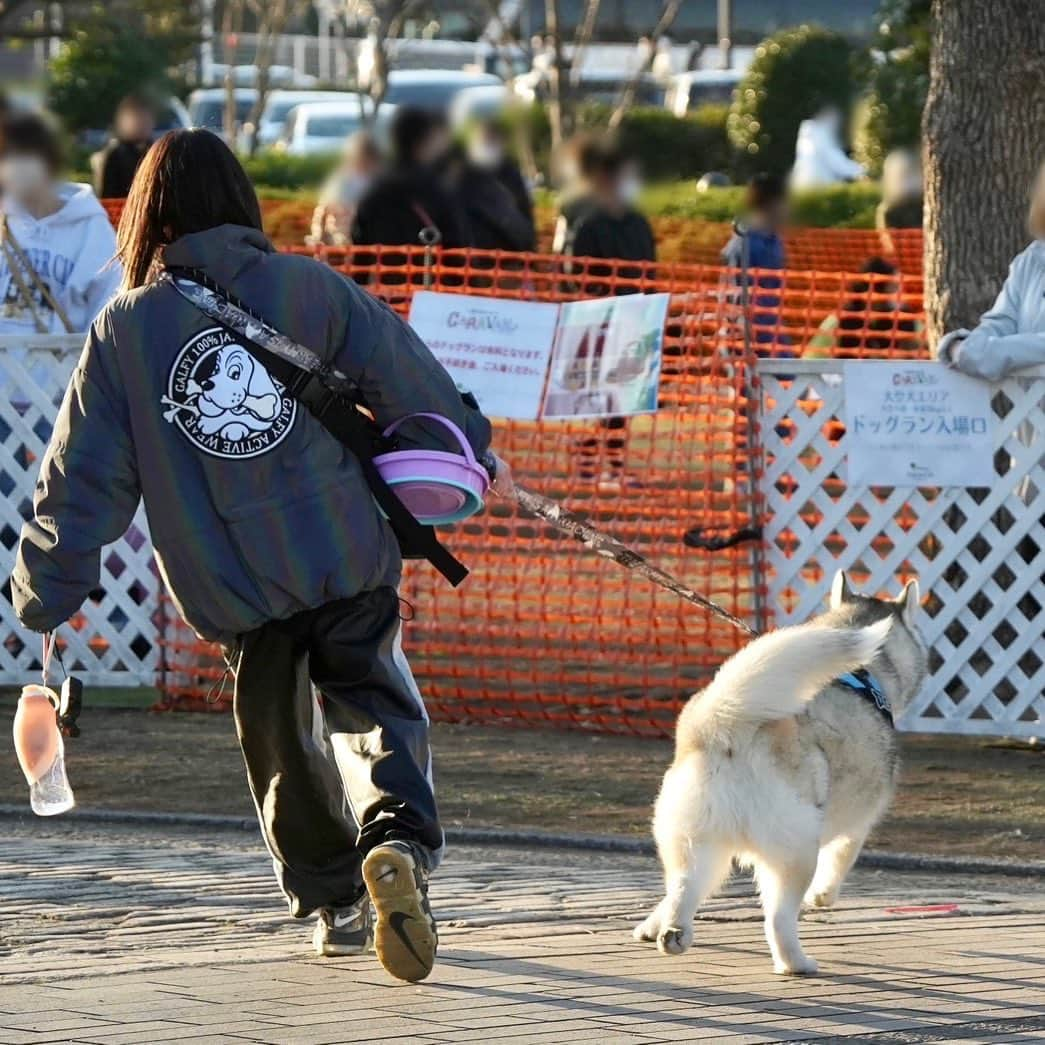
x=405, y=937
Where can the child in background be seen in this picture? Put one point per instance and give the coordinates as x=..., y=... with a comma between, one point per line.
x=756, y=244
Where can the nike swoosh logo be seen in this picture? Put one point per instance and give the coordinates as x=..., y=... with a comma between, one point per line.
x=340, y=921
x=398, y=920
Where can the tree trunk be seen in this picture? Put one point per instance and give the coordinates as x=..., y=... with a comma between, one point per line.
x=982, y=131
x=557, y=83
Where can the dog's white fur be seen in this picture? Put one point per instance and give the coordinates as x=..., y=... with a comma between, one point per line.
x=778, y=766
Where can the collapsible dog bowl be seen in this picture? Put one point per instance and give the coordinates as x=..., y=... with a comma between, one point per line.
x=436, y=486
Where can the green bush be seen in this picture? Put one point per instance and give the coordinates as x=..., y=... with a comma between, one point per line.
x=279, y=170
x=837, y=206
x=794, y=74
x=115, y=50
x=668, y=146
x=890, y=115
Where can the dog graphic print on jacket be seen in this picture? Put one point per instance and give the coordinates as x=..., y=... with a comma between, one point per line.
x=223, y=400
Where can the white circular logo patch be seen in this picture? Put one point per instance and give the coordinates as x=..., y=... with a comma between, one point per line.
x=223, y=400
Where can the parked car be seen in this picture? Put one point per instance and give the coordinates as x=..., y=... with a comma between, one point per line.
x=479, y=103
x=207, y=107
x=689, y=91
x=279, y=104
x=322, y=127
x=593, y=85
x=247, y=76
x=433, y=89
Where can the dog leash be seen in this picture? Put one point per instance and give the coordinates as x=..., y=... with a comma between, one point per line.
x=610, y=548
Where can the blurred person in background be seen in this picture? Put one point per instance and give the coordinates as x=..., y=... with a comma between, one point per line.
x=610, y=224
x=757, y=244
x=874, y=317
x=574, y=168
x=902, y=197
x=361, y=164
x=115, y=166
x=488, y=149
x=819, y=157
x=492, y=193
x=56, y=241
x=411, y=196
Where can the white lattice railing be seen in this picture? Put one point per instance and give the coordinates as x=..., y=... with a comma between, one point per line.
x=113, y=641
x=979, y=553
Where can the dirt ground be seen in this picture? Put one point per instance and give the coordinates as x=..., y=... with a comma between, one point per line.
x=958, y=796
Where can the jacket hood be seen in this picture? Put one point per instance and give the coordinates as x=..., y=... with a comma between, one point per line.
x=223, y=252
x=79, y=203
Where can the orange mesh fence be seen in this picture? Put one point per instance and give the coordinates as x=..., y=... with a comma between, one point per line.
x=678, y=239
x=543, y=631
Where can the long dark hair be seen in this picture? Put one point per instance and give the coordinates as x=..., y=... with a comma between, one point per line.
x=189, y=181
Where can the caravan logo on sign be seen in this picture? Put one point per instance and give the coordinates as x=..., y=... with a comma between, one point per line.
x=224, y=401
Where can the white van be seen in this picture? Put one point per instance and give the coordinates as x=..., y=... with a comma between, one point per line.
x=278, y=105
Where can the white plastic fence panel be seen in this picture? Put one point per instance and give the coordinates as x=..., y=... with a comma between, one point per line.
x=978, y=553
x=113, y=641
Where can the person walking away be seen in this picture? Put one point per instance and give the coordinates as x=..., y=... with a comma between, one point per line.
x=611, y=228
x=494, y=194
x=56, y=245
x=266, y=534
x=757, y=244
x=361, y=164
x=411, y=197
x=114, y=167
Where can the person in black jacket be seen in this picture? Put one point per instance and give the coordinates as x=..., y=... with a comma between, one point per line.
x=115, y=166
x=412, y=197
x=611, y=226
x=494, y=193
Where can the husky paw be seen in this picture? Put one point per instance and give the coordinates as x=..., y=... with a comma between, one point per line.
x=646, y=932
x=674, y=941
x=803, y=967
x=821, y=897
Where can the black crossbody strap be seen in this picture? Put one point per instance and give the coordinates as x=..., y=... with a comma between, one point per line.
x=336, y=412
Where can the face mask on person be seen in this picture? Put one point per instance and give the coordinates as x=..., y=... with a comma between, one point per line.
x=23, y=177
x=629, y=189
x=488, y=155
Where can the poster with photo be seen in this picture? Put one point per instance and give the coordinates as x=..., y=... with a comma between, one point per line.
x=607, y=357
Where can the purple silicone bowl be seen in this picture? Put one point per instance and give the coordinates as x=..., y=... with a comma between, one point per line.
x=436, y=486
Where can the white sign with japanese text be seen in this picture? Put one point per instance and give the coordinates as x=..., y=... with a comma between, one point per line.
x=917, y=424
x=496, y=348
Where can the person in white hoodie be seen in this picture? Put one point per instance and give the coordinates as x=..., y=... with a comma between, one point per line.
x=1011, y=334
x=56, y=241
x=819, y=157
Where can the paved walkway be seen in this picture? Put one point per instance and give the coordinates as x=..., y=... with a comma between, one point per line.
x=112, y=936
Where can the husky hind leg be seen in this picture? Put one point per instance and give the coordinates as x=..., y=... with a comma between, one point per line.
x=693, y=867
x=833, y=864
x=782, y=885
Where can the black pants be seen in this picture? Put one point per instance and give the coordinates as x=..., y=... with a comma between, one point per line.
x=320, y=817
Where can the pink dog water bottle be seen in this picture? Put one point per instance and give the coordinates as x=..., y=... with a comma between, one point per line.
x=38, y=742
x=41, y=753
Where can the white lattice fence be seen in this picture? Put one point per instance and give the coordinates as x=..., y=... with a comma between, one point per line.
x=979, y=553
x=114, y=640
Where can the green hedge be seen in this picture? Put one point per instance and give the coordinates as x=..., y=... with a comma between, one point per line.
x=839, y=206
x=279, y=170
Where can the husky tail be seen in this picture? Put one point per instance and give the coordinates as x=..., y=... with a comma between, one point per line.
x=777, y=675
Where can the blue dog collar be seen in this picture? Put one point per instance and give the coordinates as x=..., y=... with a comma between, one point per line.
x=864, y=683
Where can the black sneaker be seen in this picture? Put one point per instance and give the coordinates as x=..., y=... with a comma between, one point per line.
x=405, y=937
x=344, y=930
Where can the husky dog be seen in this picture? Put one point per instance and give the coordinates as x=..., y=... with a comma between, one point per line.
x=785, y=763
